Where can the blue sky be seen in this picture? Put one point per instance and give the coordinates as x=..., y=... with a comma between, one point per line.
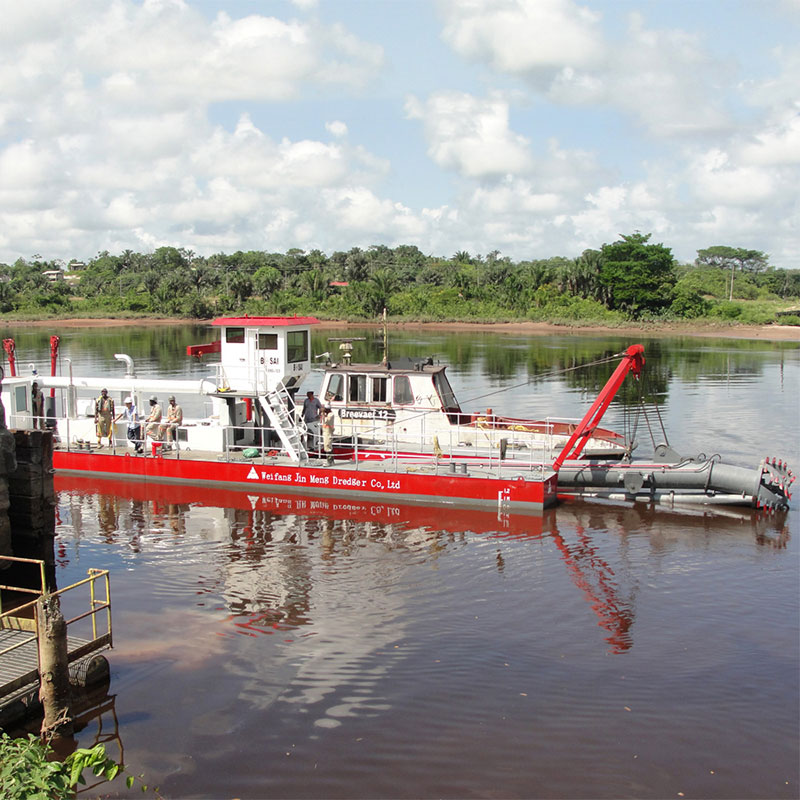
x=532, y=127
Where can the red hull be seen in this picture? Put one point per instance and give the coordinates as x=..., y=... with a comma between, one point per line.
x=515, y=495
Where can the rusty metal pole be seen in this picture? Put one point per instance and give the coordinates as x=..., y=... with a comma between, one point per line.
x=54, y=687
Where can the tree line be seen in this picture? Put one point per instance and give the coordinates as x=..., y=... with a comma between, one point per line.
x=630, y=279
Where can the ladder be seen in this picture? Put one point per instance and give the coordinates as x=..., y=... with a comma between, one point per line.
x=276, y=406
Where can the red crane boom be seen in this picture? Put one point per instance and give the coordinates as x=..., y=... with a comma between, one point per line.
x=632, y=361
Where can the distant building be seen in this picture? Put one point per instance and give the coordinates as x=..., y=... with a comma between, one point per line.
x=53, y=275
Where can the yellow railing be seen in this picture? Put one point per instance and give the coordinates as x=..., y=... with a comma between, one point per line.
x=24, y=617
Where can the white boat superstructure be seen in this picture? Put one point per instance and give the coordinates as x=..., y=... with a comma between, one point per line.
x=247, y=399
x=406, y=403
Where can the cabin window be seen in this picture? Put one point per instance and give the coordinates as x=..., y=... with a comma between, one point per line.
x=267, y=341
x=357, y=389
x=297, y=346
x=234, y=335
x=402, y=391
x=379, y=389
x=445, y=391
x=335, y=390
x=21, y=398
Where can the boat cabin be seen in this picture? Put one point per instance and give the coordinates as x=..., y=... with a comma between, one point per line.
x=258, y=354
x=406, y=395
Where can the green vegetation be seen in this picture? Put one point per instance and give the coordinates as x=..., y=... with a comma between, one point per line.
x=631, y=279
x=29, y=771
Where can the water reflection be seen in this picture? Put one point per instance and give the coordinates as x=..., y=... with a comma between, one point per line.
x=282, y=620
x=273, y=555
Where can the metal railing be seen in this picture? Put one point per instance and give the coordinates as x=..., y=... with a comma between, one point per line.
x=487, y=446
x=98, y=628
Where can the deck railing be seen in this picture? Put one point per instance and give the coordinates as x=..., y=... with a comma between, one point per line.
x=488, y=445
x=87, y=630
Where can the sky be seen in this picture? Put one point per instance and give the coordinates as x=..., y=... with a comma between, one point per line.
x=535, y=128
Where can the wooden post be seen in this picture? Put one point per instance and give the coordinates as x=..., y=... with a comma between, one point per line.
x=54, y=688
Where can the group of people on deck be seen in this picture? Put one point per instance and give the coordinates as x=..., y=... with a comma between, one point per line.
x=317, y=416
x=157, y=429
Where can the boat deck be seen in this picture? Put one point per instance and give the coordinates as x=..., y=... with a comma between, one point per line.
x=471, y=464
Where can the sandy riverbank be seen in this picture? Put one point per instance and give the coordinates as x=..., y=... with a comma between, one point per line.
x=765, y=332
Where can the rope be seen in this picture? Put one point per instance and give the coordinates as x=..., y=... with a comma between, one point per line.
x=551, y=374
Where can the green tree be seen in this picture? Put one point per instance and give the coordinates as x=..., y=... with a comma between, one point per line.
x=266, y=280
x=636, y=277
x=239, y=286
x=381, y=287
x=725, y=257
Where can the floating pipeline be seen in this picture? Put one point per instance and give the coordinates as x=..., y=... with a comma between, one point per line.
x=691, y=480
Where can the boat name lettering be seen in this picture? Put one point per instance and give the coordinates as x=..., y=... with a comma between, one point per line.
x=367, y=413
x=355, y=483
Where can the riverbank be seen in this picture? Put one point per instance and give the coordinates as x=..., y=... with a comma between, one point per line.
x=694, y=329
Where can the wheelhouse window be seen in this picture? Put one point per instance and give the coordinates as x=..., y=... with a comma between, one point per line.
x=335, y=390
x=234, y=335
x=357, y=389
x=21, y=398
x=379, y=390
x=297, y=346
x=267, y=341
x=402, y=391
x=445, y=392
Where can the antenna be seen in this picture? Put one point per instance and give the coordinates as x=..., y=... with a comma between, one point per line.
x=346, y=346
x=385, y=361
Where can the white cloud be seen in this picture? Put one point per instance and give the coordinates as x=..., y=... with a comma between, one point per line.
x=470, y=135
x=664, y=79
x=129, y=124
x=716, y=179
x=522, y=36
x=358, y=211
x=336, y=128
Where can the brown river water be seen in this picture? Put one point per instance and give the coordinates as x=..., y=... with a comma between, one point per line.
x=289, y=647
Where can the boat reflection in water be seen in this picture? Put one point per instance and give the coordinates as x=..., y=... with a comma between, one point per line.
x=267, y=589
x=259, y=635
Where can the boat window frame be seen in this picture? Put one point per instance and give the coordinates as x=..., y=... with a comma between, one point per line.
x=402, y=401
x=234, y=335
x=21, y=391
x=297, y=352
x=359, y=379
x=330, y=390
x=445, y=392
x=262, y=338
x=382, y=381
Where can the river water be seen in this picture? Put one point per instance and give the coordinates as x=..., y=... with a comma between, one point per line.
x=286, y=647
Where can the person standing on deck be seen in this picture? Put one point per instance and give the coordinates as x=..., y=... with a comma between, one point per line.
x=174, y=419
x=328, y=428
x=104, y=417
x=311, y=411
x=134, y=428
x=153, y=429
x=37, y=406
